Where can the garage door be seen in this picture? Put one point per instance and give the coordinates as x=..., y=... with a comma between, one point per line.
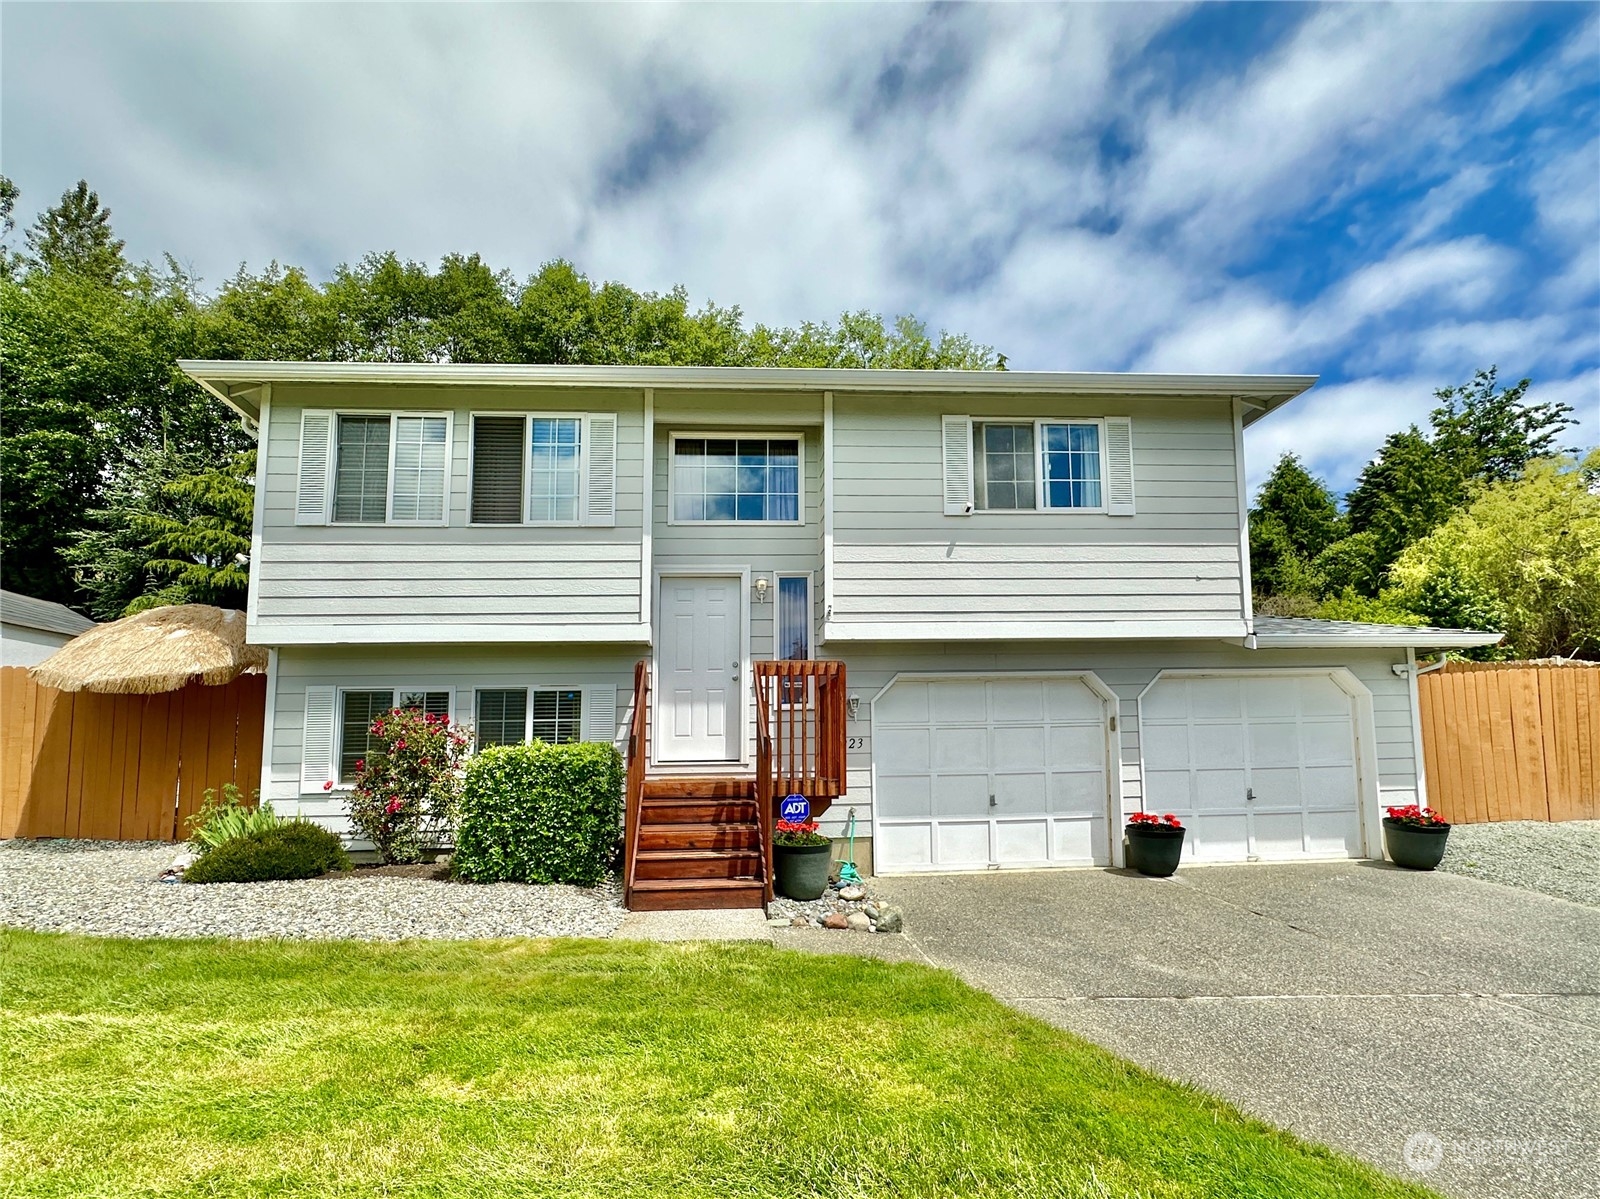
x=991, y=771
x=1256, y=766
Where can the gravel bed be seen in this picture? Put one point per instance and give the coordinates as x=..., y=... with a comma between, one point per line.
x=1560, y=859
x=110, y=888
x=814, y=910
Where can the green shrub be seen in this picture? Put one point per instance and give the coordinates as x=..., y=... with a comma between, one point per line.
x=291, y=849
x=224, y=820
x=540, y=814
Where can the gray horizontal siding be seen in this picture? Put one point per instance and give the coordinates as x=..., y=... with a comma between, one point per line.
x=898, y=558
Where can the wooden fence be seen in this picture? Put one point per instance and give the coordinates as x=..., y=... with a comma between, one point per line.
x=1512, y=741
x=122, y=767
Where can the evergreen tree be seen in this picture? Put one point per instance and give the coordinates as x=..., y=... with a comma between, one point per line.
x=75, y=238
x=1295, y=518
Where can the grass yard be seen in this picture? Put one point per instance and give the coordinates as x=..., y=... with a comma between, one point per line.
x=574, y=1068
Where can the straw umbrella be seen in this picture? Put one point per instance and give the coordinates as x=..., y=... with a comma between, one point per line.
x=159, y=649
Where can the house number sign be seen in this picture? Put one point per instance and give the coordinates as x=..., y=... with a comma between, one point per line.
x=796, y=809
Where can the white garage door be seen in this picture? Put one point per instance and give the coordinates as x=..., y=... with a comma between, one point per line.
x=1256, y=766
x=991, y=771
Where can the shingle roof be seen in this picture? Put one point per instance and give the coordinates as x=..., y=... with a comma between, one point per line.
x=33, y=613
x=1288, y=632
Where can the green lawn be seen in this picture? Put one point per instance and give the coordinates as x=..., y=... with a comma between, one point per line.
x=573, y=1068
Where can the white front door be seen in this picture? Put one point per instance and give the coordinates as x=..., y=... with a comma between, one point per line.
x=699, y=668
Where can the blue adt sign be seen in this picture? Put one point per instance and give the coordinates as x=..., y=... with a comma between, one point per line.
x=796, y=809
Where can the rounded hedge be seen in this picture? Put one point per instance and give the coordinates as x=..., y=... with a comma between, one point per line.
x=296, y=849
x=540, y=813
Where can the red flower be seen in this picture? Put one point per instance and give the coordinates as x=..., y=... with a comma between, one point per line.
x=400, y=744
x=361, y=763
x=328, y=786
x=393, y=806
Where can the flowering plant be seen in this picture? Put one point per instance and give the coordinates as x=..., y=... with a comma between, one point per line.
x=1151, y=820
x=1417, y=817
x=798, y=834
x=405, y=794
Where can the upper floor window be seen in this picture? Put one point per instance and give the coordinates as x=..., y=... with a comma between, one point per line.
x=733, y=479
x=543, y=469
x=391, y=468
x=1037, y=465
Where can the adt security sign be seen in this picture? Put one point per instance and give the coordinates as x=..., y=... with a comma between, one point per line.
x=796, y=809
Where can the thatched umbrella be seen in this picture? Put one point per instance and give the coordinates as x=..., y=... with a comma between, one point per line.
x=159, y=649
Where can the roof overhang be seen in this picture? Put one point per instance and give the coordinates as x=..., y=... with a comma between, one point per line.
x=1376, y=637
x=239, y=384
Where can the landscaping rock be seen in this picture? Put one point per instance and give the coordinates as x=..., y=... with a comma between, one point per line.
x=801, y=922
x=859, y=922
x=891, y=919
x=852, y=894
x=835, y=920
x=871, y=909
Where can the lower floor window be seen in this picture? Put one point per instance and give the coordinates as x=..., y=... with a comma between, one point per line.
x=557, y=716
x=361, y=708
x=502, y=717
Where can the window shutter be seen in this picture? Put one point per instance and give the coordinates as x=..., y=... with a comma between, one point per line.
x=600, y=714
x=316, y=457
x=465, y=710
x=1119, y=466
x=497, y=451
x=602, y=499
x=316, y=749
x=958, y=466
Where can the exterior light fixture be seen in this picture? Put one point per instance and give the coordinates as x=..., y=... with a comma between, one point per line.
x=761, y=588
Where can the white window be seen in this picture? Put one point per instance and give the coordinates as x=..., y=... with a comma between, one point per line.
x=554, y=468
x=557, y=716
x=548, y=468
x=359, y=708
x=723, y=479
x=391, y=467
x=792, y=624
x=502, y=716
x=512, y=715
x=1031, y=466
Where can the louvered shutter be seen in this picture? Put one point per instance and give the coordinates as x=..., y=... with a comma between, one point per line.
x=1119, y=466
x=466, y=714
x=316, y=748
x=497, y=474
x=316, y=462
x=602, y=489
x=958, y=466
x=600, y=714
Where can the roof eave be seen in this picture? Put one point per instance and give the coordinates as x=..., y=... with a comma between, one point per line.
x=227, y=380
x=1464, y=639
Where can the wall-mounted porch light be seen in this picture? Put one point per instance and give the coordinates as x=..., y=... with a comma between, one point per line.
x=853, y=703
x=761, y=588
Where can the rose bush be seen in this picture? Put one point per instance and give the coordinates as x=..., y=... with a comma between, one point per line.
x=406, y=795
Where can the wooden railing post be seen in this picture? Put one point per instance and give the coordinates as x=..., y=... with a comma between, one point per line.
x=633, y=800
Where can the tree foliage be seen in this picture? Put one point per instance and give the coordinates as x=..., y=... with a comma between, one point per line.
x=1523, y=556
x=1295, y=518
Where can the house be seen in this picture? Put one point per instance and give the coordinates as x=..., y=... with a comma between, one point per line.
x=33, y=629
x=988, y=613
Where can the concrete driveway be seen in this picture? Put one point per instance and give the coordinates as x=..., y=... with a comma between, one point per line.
x=1444, y=1029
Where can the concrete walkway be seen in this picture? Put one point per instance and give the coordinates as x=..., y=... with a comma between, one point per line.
x=1445, y=1030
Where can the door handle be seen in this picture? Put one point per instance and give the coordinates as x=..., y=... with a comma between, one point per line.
x=1249, y=794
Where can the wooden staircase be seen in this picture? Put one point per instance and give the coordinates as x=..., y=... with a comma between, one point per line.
x=699, y=845
x=706, y=842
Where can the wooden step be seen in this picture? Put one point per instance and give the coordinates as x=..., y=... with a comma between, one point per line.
x=716, y=787
x=697, y=811
x=676, y=894
x=708, y=835
x=697, y=863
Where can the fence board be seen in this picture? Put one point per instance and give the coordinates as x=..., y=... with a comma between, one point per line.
x=1512, y=741
x=121, y=767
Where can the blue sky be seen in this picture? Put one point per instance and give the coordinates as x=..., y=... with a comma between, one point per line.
x=1387, y=196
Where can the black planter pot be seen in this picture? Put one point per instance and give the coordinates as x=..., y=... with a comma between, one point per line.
x=1154, y=849
x=801, y=871
x=1414, y=846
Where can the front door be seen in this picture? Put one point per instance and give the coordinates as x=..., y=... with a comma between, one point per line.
x=699, y=668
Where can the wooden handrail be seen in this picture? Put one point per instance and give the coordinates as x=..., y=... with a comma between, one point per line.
x=800, y=730
x=764, y=806
x=633, y=800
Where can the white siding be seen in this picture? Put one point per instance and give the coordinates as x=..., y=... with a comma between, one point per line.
x=459, y=669
x=459, y=583
x=904, y=569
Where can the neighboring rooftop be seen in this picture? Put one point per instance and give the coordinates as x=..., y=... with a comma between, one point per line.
x=1300, y=632
x=44, y=615
x=239, y=383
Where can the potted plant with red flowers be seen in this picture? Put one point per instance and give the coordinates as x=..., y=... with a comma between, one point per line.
x=1155, y=843
x=802, y=859
x=1414, y=836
